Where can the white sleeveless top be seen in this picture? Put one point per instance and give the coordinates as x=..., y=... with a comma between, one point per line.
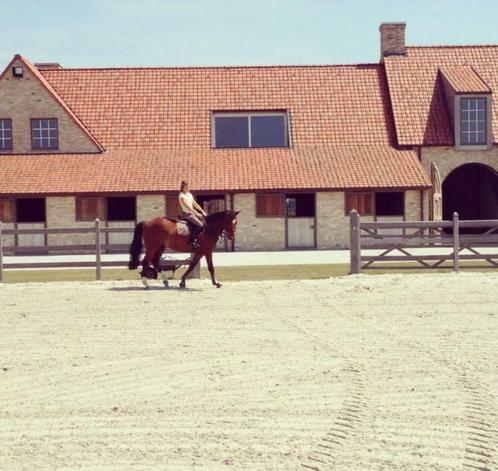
x=185, y=196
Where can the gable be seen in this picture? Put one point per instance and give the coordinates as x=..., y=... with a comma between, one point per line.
x=31, y=97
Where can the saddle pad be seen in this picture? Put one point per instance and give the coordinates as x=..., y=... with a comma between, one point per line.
x=182, y=229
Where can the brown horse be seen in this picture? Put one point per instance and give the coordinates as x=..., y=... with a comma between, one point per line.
x=160, y=234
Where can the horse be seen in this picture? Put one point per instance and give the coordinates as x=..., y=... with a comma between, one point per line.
x=160, y=234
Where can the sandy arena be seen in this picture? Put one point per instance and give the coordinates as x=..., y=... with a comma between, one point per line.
x=394, y=372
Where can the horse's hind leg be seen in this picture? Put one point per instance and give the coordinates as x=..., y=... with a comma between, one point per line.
x=146, y=268
x=156, y=263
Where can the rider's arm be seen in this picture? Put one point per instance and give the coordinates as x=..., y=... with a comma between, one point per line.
x=199, y=208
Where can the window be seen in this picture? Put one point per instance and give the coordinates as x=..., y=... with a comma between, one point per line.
x=242, y=130
x=361, y=202
x=44, y=134
x=172, y=206
x=270, y=205
x=6, y=210
x=212, y=203
x=121, y=209
x=30, y=210
x=473, y=125
x=5, y=134
x=90, y=208
x=300, y=205
x=390, y=203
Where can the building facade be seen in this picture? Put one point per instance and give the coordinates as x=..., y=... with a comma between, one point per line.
x=294, y=148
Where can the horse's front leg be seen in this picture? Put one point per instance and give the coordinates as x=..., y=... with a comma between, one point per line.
x=209, y=260
x=193, y=263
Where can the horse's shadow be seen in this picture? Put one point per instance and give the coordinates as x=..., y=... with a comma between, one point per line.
x=152, y=288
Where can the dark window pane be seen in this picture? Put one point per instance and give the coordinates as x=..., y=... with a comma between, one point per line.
x=389, y=204
x=121, y=209
x=301, y=205
x=268, y=131
x=231, y=132
x=30, y=210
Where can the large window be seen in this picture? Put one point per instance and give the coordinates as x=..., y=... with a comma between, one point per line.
x=473, y=125
x=242, y=130
x=30, y=210
x=390, y=203
x=44, y=134
x=121, y=208
x=5, y=134
x=270, y=205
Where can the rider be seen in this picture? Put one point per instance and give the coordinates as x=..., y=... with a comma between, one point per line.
x=191, y=212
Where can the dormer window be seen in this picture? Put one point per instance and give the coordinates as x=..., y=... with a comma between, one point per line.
x=473, y=129
x=249, y=129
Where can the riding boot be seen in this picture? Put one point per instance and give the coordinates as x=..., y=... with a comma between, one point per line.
x=194, y=232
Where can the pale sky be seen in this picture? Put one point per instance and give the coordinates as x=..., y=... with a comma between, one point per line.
x=85, y=33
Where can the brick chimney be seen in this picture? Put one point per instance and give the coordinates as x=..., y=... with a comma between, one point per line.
x=392, y=39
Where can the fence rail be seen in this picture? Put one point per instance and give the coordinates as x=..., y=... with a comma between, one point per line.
x=96, y=248
x=396, y=239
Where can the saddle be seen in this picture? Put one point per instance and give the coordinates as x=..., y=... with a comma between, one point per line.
x=183, y=227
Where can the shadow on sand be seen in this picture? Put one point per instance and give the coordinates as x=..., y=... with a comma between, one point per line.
x=152, y=288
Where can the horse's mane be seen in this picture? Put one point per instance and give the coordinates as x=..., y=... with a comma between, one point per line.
x=216, y=217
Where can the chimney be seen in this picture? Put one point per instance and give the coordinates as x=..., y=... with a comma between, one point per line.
x=392, y=39
x=48, y=65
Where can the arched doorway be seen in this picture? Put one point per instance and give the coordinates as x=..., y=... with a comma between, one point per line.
x=472, y=191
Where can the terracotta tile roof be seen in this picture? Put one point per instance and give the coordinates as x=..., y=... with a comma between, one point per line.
x=169, y=108
x=419, y=107
x=464, y=79
x=120, y=170
x=39, y=76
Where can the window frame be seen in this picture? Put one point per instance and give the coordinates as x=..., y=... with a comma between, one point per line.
x=488, y=125
x=2, y=138
x=33, y=138
x=248, y=115
x=371, y=194
x=283, y=205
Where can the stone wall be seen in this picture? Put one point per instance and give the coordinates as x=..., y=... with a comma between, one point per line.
x=22, y=99
x=448, y=158
x=61, y=212
x=257, y=233
x=332, y=221
x=150, y=206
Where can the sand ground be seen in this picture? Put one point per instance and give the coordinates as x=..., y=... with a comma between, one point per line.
x=394, y=372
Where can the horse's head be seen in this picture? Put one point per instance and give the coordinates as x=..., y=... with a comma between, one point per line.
x=223, y=222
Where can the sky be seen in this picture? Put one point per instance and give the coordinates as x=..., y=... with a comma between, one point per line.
x=112, y=33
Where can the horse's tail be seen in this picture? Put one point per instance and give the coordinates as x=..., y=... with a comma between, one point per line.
x=136, y=246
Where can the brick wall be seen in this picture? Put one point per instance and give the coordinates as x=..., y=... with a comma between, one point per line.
x=256, y=233
x=61, y=212
x=150, y=206
x=24, y=98
x=447, y=158
x=332, y=222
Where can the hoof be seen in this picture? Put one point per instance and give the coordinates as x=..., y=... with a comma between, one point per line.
x=166, y=283
x=145, y=281
x=182, y=284
x=218, y=285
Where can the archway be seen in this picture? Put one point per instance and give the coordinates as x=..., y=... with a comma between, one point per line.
x=472, y=191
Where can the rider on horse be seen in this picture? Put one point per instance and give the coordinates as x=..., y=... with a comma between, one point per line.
x=191, y=212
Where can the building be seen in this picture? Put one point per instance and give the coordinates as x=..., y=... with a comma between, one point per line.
x=295, y=148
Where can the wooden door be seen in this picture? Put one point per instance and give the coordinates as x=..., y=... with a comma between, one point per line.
x=301, y=232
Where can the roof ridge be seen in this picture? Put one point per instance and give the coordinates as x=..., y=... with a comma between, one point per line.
x=214, y=67
x=455, y=46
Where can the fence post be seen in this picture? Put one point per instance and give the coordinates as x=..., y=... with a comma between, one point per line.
x=98, y=251
x=354, y=243
x=1, y=253
x=456, y=243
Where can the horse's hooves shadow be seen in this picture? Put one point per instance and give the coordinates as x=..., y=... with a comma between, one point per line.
x=151, y=288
